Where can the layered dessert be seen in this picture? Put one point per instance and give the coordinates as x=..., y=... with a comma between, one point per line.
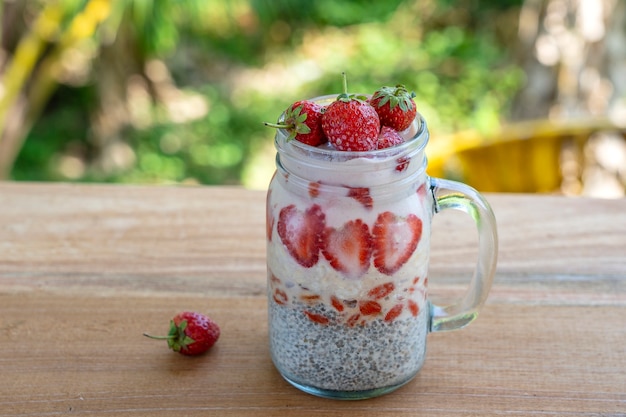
x=347, y=254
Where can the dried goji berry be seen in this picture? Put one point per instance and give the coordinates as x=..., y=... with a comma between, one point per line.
x=317, y=318
x=394, y=312
x=382, y=290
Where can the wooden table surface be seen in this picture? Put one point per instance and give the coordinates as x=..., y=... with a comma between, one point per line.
x=86, y=269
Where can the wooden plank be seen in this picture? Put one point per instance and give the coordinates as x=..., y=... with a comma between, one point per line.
x=101, y=238
x=87, y=355
x=85, y=270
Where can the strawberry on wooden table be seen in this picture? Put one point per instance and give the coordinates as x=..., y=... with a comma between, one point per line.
x=395, y=106
x=350, y=123
x=190, y=333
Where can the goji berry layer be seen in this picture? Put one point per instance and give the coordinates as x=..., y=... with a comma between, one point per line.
x=387, y=302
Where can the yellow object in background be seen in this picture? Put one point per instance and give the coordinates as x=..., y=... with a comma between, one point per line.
x=525, y=157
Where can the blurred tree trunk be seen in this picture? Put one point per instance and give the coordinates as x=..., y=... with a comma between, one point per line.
x=29, y=75
x=574, y=55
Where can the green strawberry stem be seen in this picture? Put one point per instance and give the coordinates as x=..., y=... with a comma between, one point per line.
x=278, y=125
x=158, y=337
x=177, y=339
x=344, y=96
x=295, y=122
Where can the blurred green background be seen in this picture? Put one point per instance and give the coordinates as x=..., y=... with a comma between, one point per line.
x=137, y=91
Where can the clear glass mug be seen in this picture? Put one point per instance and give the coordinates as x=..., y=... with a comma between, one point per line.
x=348, y=242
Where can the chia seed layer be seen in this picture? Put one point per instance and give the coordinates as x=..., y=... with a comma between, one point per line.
x=337, y=357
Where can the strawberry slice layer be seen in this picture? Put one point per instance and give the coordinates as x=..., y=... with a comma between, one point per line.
x=349, y=248
x=301, y=232
x=395, y=239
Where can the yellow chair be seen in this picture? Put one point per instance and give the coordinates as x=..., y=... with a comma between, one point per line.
x=523, y=157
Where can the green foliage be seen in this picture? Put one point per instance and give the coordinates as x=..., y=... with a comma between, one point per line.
x=324, y=12
x=250, y=59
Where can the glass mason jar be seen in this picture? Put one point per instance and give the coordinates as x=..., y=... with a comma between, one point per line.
x=348, y=243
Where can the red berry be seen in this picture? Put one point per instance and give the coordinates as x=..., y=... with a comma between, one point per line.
x=191, y=333
x=349, y=248
x=353, y=320
x=394, y=312
x=382, y=290
x=338, y=305
x=413, y=307
x=395, y=107
x=303, y=122
x=388, y=137
x=314, y=189
x=301, y=232
x=395, y=239
x=350, y=123
x=317, y=318
x=369, y=308
x=402, y=163
x=280, y=297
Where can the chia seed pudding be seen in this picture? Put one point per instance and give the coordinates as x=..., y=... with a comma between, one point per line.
x=341, y=358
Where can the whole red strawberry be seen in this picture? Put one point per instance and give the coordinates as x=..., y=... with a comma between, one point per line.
x=388, y=137
x=395, y=107
x=191, y=333
x=350, y=123
x=303, y=121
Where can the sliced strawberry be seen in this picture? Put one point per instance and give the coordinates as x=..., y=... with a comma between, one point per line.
x=381, y=291
x=395, y=239
x=362, y=195
x=349, y=248
x=413, y=307
x=301, y=232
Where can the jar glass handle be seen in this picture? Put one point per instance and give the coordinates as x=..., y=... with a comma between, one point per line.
x=454, y=195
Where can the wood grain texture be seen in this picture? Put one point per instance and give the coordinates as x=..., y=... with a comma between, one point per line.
x=86, y=269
